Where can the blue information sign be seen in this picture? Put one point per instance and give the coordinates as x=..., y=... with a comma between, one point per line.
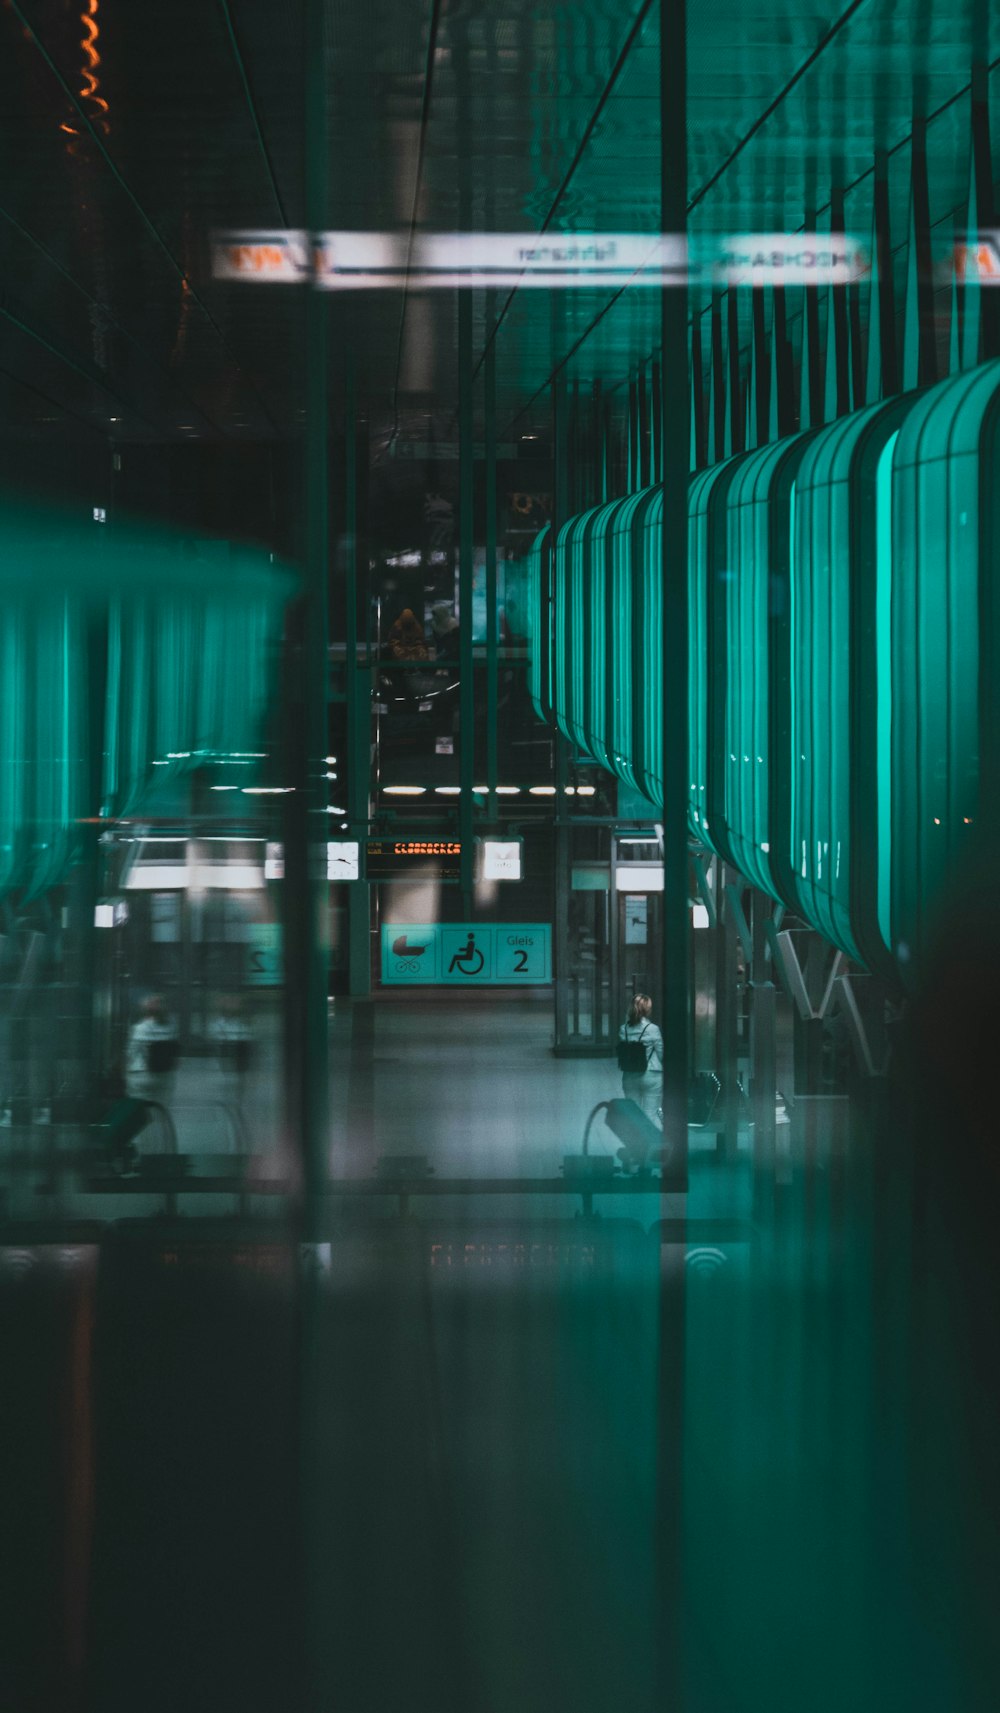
x=467, y=954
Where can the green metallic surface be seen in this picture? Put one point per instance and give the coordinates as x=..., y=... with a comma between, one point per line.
x=842, y=690
x=822, y=596
x=942, y=497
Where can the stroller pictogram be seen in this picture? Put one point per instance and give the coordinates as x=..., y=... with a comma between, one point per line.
x=469, y=960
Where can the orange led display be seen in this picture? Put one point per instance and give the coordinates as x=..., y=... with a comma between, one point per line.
x=427, y=847
x=431, y=859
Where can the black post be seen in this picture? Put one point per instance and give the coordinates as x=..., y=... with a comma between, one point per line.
x=676, y=779
x=562, y=839
x=926, y=338
x=466, y=540
x=305, y=884
x=838, y=330
x=888, y=353
x=492, y=617
x=737, y=417
x=358, y=678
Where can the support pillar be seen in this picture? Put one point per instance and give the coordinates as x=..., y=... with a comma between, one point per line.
x=562, y=838
x=675, y=440
x=785, y=408
x=466, y=539
x=888, y=350
x=305, y=834
x=839, y=329
x=358, y=757
x=305, y=889
x=676, y=404
x=701, y=448
x=734, y=389
x=492, y=627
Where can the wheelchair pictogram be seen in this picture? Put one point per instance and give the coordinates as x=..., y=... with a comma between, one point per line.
x=468, y=960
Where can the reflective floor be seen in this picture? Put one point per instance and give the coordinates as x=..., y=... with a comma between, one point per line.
x=465, y=1417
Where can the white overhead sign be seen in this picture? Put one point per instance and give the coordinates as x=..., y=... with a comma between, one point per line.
x=343, y=261
x=501, y=859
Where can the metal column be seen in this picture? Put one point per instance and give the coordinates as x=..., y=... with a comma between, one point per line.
x=675, y=441
x=492, y=640
x=358, y=699
x=675, y=400
x=563, y=835
x=466, y=539
x=305, y=887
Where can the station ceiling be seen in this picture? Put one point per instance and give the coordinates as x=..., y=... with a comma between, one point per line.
x=132, y=131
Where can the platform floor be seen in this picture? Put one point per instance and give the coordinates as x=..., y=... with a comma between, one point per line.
x=497, y=1423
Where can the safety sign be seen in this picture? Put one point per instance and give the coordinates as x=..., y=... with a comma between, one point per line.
x=471, y=954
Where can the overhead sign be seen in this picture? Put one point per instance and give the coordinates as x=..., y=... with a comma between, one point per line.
x=500, y=859
x=978, y=258
x=338, y=261
x=466, y=954
x=341, y=860
x=446, y=452
x=413, y=859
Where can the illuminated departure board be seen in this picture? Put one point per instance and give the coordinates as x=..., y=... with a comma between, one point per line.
x=401, y=859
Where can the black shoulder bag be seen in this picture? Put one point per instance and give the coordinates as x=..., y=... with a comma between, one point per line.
x=633, y=1059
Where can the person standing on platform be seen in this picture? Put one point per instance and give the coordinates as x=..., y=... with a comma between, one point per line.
x=446, y=632
x=638, y=1037
x=235, y=1044
x=153, y=1051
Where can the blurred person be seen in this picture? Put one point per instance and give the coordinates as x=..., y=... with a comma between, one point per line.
x=446, y=631
x=235, y=1042
x=406, y=638
x=152, y=1053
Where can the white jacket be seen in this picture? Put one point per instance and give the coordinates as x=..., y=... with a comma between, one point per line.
x=652, y=1040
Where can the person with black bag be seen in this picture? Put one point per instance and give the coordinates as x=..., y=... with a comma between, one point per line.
x=153, y=1052
x=640, y=1058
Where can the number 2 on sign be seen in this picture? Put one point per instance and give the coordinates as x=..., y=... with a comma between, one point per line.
x=521, y=964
